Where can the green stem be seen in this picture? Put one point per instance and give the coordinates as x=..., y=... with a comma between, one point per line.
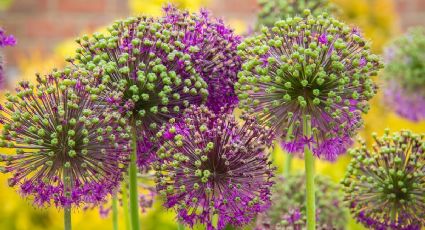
x=288, y=162
x=288, y=165
x=125, y=207
x=67, y=210
x=115, y=212
x=181, y=226
x=134, y=197
x=67, y=219
x=309, y=171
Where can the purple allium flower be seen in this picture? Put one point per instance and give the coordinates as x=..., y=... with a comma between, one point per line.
x=410, y=105
x=68, y=152
x=146, y=75
x=385, y=186
x=313, y=67
x=213, y=50
x=405, y=75
x=212, y=169
x=288, y=209
x=6, y=40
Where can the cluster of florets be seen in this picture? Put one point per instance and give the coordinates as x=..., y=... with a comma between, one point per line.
x=275, y=10
x=212, y=47
x=213, y=171
x=405, y=75
x=385, y=186
x=313, y=67
x=5, y=40
x=68, y=151
x=288, y=209
x=146, y=75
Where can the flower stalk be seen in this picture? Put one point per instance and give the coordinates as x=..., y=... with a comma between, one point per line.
x=115, y=212
x=309, y=170
x=134, y=198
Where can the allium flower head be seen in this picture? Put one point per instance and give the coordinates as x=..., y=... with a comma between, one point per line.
x=288, y=205
x=405, y=75
x=314, y=67
x=275, y=10
x=385, y=186
x=211, y=169
x=144, y=73
x=213, y=50
x=68, y=152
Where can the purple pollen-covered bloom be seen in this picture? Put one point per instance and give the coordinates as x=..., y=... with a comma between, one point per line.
x=212, y=47
x=410, y=105
x=385, y=186
x=404, y=75
x=68, y=151
x=147, y=75
x=214, y=171
x=323, y=39
x=308, y=69
x=6, y=40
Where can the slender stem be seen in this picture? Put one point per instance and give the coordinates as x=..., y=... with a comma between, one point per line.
x=288, y=161
x=125, y=207
x=309, y=171
x=66, y=210
x=134, y=197
x=181, y=226
x=115, y=212
x=67, y=218
x=288, y=165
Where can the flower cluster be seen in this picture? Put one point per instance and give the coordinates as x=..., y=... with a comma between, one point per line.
x=405, y=75
x=6, y=40
x=288, y=205
x=308, y=67
x=213, y=171
x=212, y=47
x=146, y=75
x=275, y=10
x=385, y=186
x=68, y=151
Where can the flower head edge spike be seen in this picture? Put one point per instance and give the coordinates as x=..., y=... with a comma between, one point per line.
x=68, y=151
x=385, y=186
x=308, y=66
x=274, y=10
x=213, y=171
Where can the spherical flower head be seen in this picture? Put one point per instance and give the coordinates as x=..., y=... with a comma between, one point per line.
x=144, y=73
x=288, y=209
x=404, y=75
x=213, y=171
x=385, y=186
x=275, y=10
x=68, y=151
x=314, y=68
x=212, y=47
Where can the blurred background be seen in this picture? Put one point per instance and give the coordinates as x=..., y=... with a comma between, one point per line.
x=46, y=29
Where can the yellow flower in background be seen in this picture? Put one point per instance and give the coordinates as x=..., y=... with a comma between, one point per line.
x=376, y=18
x=154, y=7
